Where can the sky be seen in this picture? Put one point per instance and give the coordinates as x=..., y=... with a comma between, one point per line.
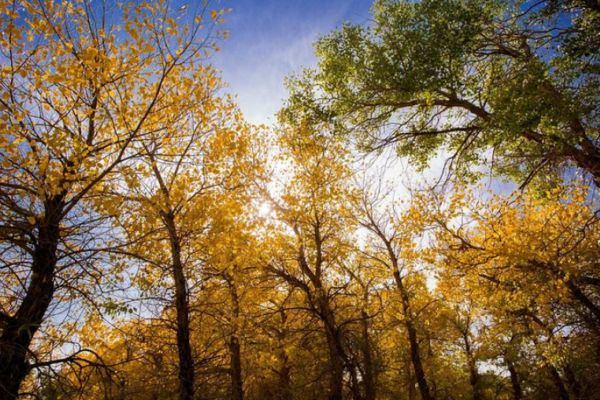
x=271, y=39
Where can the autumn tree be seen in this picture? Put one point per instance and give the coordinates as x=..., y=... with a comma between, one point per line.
x=81, y=83
x=186, y=172
x=231, y=277
x=542, y=294
x=309, y=255
x=394, y=249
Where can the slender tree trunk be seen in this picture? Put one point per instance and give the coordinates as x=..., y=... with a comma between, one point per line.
x=410, y=379
x=284, y=391
x=473, y=373
x=415, y=355
x=336, y=353
x=184, y=348
x=558, y=382
x=237, y=389
x=354, y=382
x=514, y=380
x=369, y=377
x=19, y=329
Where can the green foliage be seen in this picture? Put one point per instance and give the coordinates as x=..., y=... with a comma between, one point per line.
x=465, y=77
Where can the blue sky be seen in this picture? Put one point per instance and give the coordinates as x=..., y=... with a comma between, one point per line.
x=271, y=39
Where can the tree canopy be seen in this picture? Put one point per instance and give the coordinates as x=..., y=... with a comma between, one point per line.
x=156, y=245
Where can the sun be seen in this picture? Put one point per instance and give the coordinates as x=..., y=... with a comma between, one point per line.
x=265, y=210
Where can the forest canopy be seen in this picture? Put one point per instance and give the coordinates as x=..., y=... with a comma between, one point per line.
x=154, y=244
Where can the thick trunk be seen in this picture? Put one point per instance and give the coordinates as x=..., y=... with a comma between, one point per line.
x=586, y=154
x=336, y=370
x=20, y=328
x=369, y=377
x=237, y=392
x=590, y=164
x=515, y=381
x=284, y=390
x=411, y=331
x=184, y=348
x=580, y=296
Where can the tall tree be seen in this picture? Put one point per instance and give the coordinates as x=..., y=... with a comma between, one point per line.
x=312, y=207
x=78, y=90
x=513, y=85
x=394, y=252
x=173, y=193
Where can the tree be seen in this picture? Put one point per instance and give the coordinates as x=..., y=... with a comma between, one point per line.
x=396, y=253
x=530, y=262
x=173, y=193
x=309, y=256
x=78, y=91
x=510, y=85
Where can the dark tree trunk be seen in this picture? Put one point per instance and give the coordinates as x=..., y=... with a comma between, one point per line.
x=558, y=382
x=284, y=391
x=336, y=370
x=515, y=381
x=235, y=368
x=354, y=381
x=580, y=296
x=319, y=302
x=20, y=328
x=336, y=353
x=237, y=391
x=369, y=376
x=473, y=373
x=415, y=354
x=573, y=383
x=184, y=348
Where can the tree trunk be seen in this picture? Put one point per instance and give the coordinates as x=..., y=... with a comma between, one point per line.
x=558, y=382
x=473, y=373
x=336, y=352
x=20, y=328
x=573, y=383
x=336, y=367
x=184, y=348
x=237, y=392
x=354, y=381
x=515, y=381
x=415, y=355
x=284, y=391
x=580, y=296
x=369, y=377
x=235, y=368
